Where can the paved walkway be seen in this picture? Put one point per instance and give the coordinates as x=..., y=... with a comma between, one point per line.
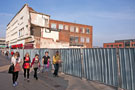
x=63, y=82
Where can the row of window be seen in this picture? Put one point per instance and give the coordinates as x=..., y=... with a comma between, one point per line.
x=72, y=28
x=82, y=39
x=120, y=45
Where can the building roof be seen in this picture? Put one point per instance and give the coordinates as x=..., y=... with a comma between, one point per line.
x=69, y=22
x=126, y=40
x=30, y=10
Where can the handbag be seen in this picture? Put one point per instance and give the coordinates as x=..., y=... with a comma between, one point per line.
x=17, y=67
x=11, y=69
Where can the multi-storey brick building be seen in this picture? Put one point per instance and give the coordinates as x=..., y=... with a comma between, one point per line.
x=31, y=29
x=130, y=43
x=73, y=33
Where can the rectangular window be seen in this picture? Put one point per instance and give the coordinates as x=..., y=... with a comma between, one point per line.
x=120, y=45
x=112, y=46
x=71, y=39
x=60, y=26
x=82, y=30
x=66, y=27
x=76, y=39
x=82, y=39
x=46, y=21
x=53, y=25
x=71, y=28
x=76, y=29
x=87, y=30
x=21, y=32
x=87, y=40
x=108, y=46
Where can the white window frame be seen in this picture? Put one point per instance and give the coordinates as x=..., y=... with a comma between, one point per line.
x=87, y=32
x=82, y=39
x=83, y=30
x=72, y=29
x=76, y=29
x=53, y=25
x=66, y=27
x=61, y=27
x=87, y=40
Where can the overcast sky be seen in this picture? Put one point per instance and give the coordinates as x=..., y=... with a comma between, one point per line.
x=111, y=19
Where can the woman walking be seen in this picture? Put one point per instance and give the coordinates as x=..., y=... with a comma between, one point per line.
x=15, y=60
x=26, y=66
x=35, y=64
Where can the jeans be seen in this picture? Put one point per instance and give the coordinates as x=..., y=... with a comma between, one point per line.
x=56, y=67
x=26, y=71
x=45, y=68
x=15, y=77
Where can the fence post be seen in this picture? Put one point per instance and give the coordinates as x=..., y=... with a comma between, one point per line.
x=82, y=64
x=119, y=75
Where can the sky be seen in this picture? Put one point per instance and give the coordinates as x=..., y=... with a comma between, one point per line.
x=111, y=19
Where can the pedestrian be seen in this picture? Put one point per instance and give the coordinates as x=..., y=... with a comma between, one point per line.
x=36, y=64
x=12, y=53
x=6, y=54
x=56, y=62
x=16, y=60
x=26, y=66
x=46, y=62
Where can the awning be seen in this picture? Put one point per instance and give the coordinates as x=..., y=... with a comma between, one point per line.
x=17, y=46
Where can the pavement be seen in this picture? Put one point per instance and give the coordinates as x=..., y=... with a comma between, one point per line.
x=63, y=82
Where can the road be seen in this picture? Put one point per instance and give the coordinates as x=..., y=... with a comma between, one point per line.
x=63, y=82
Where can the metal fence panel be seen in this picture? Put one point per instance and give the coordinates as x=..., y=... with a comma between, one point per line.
x=101, y=65
x=127, y=68
x=71, y=61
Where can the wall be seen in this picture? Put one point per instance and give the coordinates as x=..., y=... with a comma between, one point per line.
x=19, y=22
x=52, y=35
x=39, y=19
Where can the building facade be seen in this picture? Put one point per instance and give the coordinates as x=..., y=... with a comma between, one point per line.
x=130, y=43
x=72, y=33
x=2, y=43
x=31, y=29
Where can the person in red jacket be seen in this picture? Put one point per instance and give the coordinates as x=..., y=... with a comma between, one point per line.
x=26, y=66
x=36, y=64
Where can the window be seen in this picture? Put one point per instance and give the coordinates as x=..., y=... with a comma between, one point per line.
x=76, y=39
x=76, y=29
x=82, y=30
x=60, y=26
x=21, y=18
x=107, y=45
x=21, y=32
x=82, y=39
x=71, y=39
x=87, y=40
x=47, y=31
x=71, y=28
x=87, y=30
x=120, y=45
x=53, y=25
x=66, y=27
x=111, y=45
x=46, y=22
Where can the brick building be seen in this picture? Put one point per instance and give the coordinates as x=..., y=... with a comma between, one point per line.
x=130, y=43
x=31, y=29
x=73, y=33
